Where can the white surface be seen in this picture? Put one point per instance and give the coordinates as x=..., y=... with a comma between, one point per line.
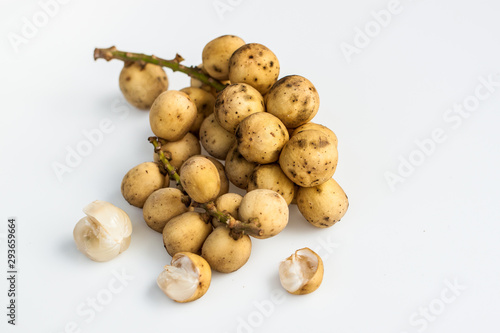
x=392, y=253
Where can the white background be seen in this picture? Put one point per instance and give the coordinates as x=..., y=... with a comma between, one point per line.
x=393, y=255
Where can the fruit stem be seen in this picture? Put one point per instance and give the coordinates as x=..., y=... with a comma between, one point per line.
x=238, y=228
x=174, y=64
x=172, y=172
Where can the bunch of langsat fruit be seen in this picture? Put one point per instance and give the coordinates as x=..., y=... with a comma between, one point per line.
x=260, y=127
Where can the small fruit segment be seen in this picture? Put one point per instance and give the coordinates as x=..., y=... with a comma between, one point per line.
x=302, y=272
x=104, y=233
x=186, y=279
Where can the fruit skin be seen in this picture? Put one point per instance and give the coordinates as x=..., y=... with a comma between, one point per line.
x=141, y=84
x=179, y=151
x=236, y=102
x=255, y=65
x=238, y=169
x=204, y=274
x=315, y=281
x=227, y=203
x=323, y=129
x=223, y=253
x=140, y=181
x=204, y=102
x=294, y=100
x=260, y=138
x=204, y=271
x=268, y=207
x=309, y=158
x=172, y=115
x=323, y=205
x=195, y=83
x=271, y=177
x=185, y=233
x=224, y=182
x=200, y=179
x=215, y=139
x=216, y=54
x=161, y=206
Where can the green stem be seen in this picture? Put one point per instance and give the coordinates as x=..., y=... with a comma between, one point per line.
x=174, y=64
x=172, y=172
x=238, y=228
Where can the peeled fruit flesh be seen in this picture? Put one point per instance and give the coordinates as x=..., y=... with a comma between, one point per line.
x=186, y=279
x=104, y=232
x=302, y=272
